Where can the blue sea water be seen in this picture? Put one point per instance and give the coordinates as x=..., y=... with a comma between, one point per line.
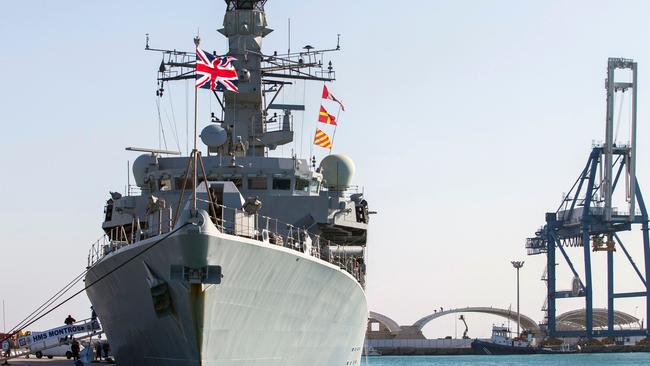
x=605, y=359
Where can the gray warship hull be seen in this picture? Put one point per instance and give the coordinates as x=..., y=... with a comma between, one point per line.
x=273, y=305
x=274, y=275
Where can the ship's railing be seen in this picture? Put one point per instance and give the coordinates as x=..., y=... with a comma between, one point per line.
x=275, y=232
x=345, y=191
x=158, y=222
x=115, y=239
x=279, y=125
x=95, y=252
x=133, y=190
x=240, y=223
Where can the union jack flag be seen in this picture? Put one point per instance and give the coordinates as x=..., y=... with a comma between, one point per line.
x=215, y=73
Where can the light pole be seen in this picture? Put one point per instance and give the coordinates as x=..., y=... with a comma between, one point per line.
x=518, y=265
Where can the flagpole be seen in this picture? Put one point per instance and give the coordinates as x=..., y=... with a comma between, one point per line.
x=311, y=149
x=335, y=126
x=311, y=146
x=197, y=41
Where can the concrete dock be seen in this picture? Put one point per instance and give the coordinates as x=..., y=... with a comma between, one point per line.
x=57, y=361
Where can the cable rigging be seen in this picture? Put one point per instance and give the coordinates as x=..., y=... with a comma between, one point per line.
x=29, y=321
x=172, y=122
x=161, y=128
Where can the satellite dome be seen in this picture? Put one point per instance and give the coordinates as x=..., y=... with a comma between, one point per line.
x=141, y=166
x=213, y=136
x=337, y=171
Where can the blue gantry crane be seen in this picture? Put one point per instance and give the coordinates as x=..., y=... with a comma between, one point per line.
x=588, y=220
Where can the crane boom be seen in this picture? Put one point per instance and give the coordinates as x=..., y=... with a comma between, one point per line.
x=462, y=318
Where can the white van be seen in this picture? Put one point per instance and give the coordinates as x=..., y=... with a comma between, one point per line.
x=59, y=351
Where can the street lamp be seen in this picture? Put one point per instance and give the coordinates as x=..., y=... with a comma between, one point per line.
x=518, y=265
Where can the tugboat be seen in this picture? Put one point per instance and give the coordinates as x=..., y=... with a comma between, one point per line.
x=502, y=344
x=230, y=256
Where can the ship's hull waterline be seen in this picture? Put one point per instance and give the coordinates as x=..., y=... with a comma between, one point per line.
x=274, y=306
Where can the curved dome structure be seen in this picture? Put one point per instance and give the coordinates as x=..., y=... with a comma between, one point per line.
x=527, y=323
x=337, y=170
x=389, y=323
x=213, y=136
x=141, y=167
x=576, y=320
x=573, y=320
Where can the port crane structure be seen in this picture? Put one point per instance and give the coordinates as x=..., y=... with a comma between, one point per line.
x=588, y=220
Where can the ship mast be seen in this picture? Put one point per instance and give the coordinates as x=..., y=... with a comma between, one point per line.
x=197, y=41
x=245, y=26
x=246, y=115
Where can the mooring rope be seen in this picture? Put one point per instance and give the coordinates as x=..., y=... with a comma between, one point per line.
x=15, y=330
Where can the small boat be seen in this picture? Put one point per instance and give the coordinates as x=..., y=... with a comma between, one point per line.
x=502, y=344
x=565, y=348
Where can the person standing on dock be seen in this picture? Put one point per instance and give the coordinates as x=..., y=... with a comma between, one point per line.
x=75, y=348
x=106, y=347
x=93, y=320
x=98, y=351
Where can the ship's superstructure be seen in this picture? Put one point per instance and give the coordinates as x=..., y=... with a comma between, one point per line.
x=266, y=266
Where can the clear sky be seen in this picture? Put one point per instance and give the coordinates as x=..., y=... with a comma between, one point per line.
x=467, y=121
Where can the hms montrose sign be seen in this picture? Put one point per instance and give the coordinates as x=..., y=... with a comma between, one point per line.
x=59, y=332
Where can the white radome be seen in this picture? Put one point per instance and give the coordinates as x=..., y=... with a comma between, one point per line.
x=337, y=170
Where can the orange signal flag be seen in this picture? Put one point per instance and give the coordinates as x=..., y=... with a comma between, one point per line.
x=330, y=96
x=322, y=139
x=325, y=117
